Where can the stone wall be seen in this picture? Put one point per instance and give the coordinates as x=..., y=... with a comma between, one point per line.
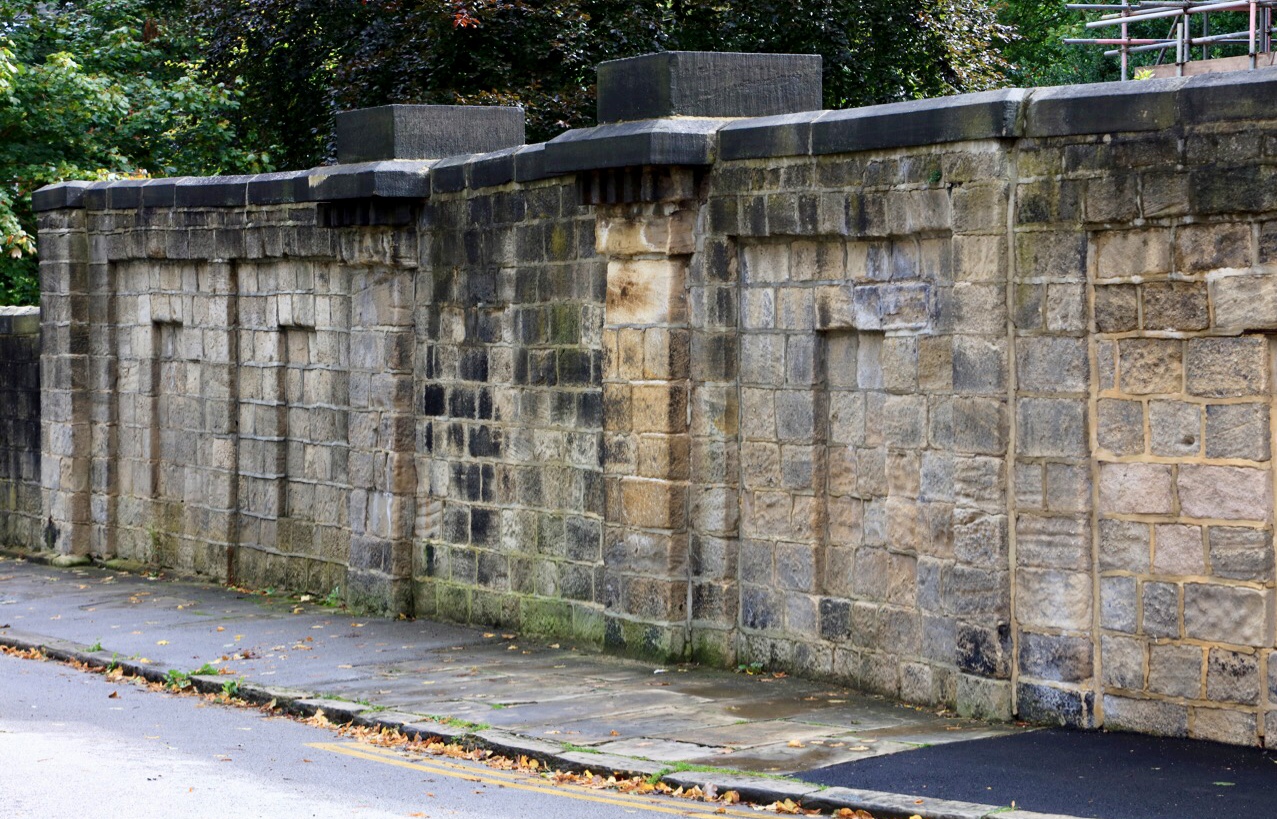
x=20, y=426
x=967, y=401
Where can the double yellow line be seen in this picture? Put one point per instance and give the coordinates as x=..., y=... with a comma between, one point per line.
x=519, y=781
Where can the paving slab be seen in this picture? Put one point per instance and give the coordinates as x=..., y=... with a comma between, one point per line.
x=548, y=700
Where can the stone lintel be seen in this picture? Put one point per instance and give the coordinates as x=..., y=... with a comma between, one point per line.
x=416, y=132
x=707, y=84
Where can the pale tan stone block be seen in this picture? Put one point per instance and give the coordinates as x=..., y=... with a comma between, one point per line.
x=1178, y=550
x=1225, y=492
x=1054, y=599
x=1135, y=488
x=1125, y=253
x=646, y=291
x=1244, y=302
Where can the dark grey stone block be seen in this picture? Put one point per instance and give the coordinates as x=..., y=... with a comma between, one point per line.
x=397, y=179
x=707, y=84
x=529, y=163
x=212, y=192
x=1104, y=108
x=495, y=168
x=425, y=131
x=451, y=174
x=125, y=193
x=986, y=115
x=94, y=197
x=1061, y=706
x=783, y=135
x=161, y=193
x=278, y=188
x=621, y=145
x=1228, y=95
x=60, y=195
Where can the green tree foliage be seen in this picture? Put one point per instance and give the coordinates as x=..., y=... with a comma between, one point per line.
x=300, y=60
x=100, y=89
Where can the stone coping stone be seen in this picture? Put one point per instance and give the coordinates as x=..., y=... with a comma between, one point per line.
x=1103, y=108
x=707, y=84
x=393, y=179
x=984, y=115
x=390, y=132
x=59, y=195
x=452, y=174
x=278, y=188
x=782, y=135
x=19, y=321
x=1005, y=114
x=677, y=141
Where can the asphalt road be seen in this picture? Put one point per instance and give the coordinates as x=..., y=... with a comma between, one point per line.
x=70, y=749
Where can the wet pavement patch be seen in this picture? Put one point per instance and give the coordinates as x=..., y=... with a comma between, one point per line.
x=1079, y=773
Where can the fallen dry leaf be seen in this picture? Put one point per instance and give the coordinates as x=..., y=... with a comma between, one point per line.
x=793, y=743
x=114, y=695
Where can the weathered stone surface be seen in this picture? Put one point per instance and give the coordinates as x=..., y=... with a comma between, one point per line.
x=1178, y=549
x=1145, y=716
x=425, y=131
x=1161, y=610
x=1228, y=492
x=1226, y=367
x=1054, y=599
x=1124, y=545
x=1226, y=614
x=1241, y=554
x=1135, y=488
x=1122, y=659
x=1150, y=365
x=1221, y=725
x=1238, y=431
x=1175, y=670
x=1175, y=428
x=1120, y=426
x=707, y=84
x=1232, y=676
x=1244, y=302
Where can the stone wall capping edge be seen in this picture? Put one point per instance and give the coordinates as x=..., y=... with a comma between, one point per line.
x=1001, y=114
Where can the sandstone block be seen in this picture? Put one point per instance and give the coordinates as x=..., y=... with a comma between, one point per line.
x=1053, y=542
x=1237, y=431
x=1120, y=426
x=1124, y=545
x=1241, y=554
x=1116, y=308
x=1175, y=670
x=1222, y=725
x=1232, y=676
x=1226, y=367
x=1145, y=716
x=1178, y=306
x=1244, y=301
x=1122, y=661
x=646, y=292
x=1054, y=599
x=1150, y=365
x=1118, y=604
x=1051, y=427
x=1056, y=657
x=1210, y=247
x=1175, y=428
x=1228, y=492
x=1051, y=364
x=1135, y=488
x=1224, y=614
x=1125, y=253
x=1178, y=550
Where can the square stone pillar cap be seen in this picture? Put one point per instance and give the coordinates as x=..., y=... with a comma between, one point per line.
x=425, y=131
x=707, y=84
